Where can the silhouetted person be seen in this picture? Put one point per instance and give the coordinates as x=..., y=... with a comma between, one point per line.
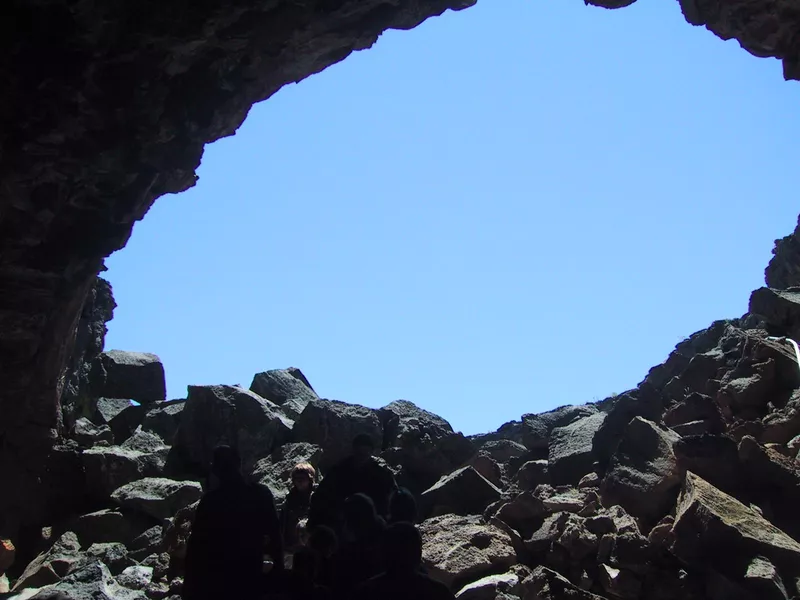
x=325, y=544
x=297, y=505
x=360, y=556
x=235, y=525
x=402, y=579
x=402, y=506
x=358, y=473
x=303, y=577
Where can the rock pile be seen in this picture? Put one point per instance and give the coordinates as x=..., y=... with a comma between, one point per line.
x=685, y=487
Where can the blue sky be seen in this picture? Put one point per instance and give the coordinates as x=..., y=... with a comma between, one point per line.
x=507, y=209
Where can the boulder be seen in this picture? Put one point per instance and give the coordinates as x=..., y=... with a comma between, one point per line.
x=110, y=467
x=565, y=498
x=135, y=577
x=53, y=564
x=536, y=429
x=92, y=581
x=532, y=474
x=460, y=549
x=620, y=583
x=135, y=375
x=695, y=407
x=782, y=425
x=715, y=458
x=491, y=587
x=643, y=476
x=87, y=434
x=112, y=554
x=163, y=419
x=106, y=409
x=712, y=528
x=158, y=497
x=332, y=425
x=109, y=525
x=176, y=535
x=550, y=530
x=780, y=309
x=524, y=513
x=577, y=539
x=150, y=541
x=503, y=451
x=275, y=470
x=764, y=581
x=421, y=445
x=216, y=414
x=463, y=492
x=545, y=584
x=127, y=421
x=570, y=455
x=287, y=388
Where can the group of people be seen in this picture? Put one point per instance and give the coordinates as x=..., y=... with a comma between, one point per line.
x=350, y=536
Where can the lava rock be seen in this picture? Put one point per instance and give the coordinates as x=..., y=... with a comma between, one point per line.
x=150, y=541
x=113, y=555
x=643, y=476
x=50, y=566
x=287, y=388
x=158, y=497
x=531, y=474
x=780, y=309
x=216, y=414
x=763, y=579
x=91, y=581
x=546, y=584
x=109, y=525
x=110, y=467
x=463, y=492
x=87, y=434
x=536, y=428
x=524, y=513
x=135, y=375
x=163, y=419
x=332, y=425
x=570, y=454
x=460, y=549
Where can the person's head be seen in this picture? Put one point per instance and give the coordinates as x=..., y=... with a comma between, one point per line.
x=402, y=506
x=402, y=548
x=226, y=465
x=363, y=447
x=303, y=476
x=360, y=516
x=323, y=540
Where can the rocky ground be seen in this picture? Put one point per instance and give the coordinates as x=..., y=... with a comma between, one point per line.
x=687, y=486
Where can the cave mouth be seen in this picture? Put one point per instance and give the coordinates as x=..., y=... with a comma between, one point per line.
x=374, y=156
x=106, y=112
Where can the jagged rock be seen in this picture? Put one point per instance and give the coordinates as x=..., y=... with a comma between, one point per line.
x=782, y=425
x=491, y=587
x=215, y=414
x=780, y=309
x=783, y=270
x=109, y=525
x=135, y=375
x=422, y=445
x=570, y=455
x=567, y=499
x=127, y=421
x=545, y=584
x=524, y=513
x=163, y=419
x=112, y=554
x=590, y=480
x=660, y=535
x=107, y=408
x=577, y=539
x=92, y=581
x=715, y=458
x=288, y=388
x=764, y=581
x=488, y=469
x=150, y=541
x=536, y=429
x=158, y=497
x=51, y=565
x=712, y=528
x=503, y=451
x=460, y=549
x=630, y=551
x=550, y=530
x=332, y=425
x=275, y=470
x=623, y=522
x=135, y=577
x=110, y=467
x=176, y=536
x=160, y=563
x=463, y=492
x=532, y=474
x=620, y=583
x=88, y=434
x=696, y=407
x=643, y=476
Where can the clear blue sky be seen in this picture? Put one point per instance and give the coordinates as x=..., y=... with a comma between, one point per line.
x=510, y=208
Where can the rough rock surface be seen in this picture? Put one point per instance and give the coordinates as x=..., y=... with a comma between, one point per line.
x=163, y=419
x=287, y=388
x=138, y=376
x=216, y=414
x=157, y=497
x=571, y=453
x=783, y=270
x=52, y=565
x=463, y=492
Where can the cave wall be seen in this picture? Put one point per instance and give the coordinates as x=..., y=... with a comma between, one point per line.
x=107, y=106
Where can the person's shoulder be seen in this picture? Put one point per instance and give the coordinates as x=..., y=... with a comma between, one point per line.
x=435, y=590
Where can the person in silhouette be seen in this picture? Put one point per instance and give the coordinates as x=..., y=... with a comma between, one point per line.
x=402, y=578
x=323, y=541
x=296, y=507
x=402, y=506
x=360, y=555
x=358, y=473
x=235, y=525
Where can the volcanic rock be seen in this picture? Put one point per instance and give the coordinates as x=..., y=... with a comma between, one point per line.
x=91, y=581
x=163, y=419
x=135, y=375
x=87, y=434
x=460, y=549
x=780, y=309
x=51, y=565
x=531, y=474
x=643, y=476
x=109, y=525
x=113, y=555
x=217, y=414
x=570, y=455
x=158, y=497
x=463, y=492
x=288, y=388
x=545, y=584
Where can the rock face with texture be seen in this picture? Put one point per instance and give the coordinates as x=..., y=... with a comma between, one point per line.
x=163, y=419
x=571, y=449
x=217, y=414
x=287, y=388
x=135, y=375
x=332, y=425
x=643, y=476
x=52, y=565
x=783, y=270
x=421, y=445
x=157, y=497
x=463, y=492
x=461, y=549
